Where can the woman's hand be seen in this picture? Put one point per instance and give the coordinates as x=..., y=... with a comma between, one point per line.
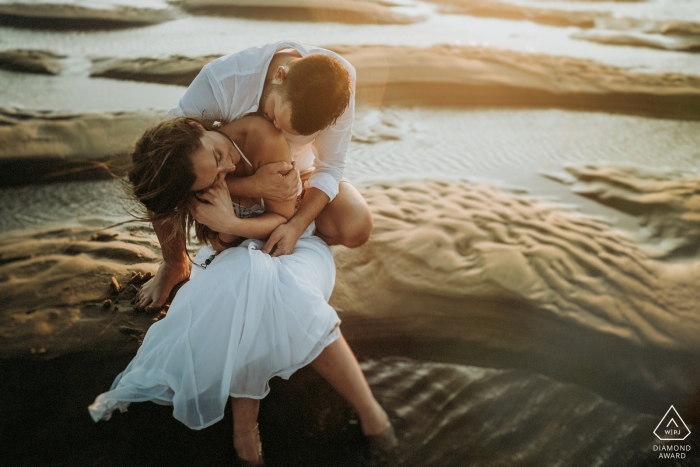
x=213, y=208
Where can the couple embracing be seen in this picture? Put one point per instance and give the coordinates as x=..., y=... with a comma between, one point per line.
x=264, y=193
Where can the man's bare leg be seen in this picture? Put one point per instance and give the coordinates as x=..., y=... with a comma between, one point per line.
x=175, y=269
x=246, y=438
x=338, y=365
x=346, y=220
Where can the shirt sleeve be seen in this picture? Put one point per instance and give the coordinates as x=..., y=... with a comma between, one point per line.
x=200, y=99
x=331, y=148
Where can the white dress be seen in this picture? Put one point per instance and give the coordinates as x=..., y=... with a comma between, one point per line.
x=245, y=318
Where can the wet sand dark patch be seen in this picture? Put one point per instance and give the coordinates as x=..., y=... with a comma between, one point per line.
x=74, y=17
x=444, y=415
x=176, y=69
x=680, y=28
x=495, y=9
x=644, y=32
x=668, y=27
x=640, y=39
x=329, y=11
x=43, y=147
x=55, y=285
x=31, y=61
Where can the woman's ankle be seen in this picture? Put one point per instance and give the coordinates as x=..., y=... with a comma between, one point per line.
x=247, y=444
x=375, y=421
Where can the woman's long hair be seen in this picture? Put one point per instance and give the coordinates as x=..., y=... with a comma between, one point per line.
x=162, y=174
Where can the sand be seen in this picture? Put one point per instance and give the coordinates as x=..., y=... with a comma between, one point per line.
x=31, y=61
x=453, y=75
x=68, y=16
x=55, y=283
x=668, y=203
x=480, y=76
x=173, y=70
x=457, y=243
x=468, y=265
x=495, y=9
x=334, y=11
x=581, y=18
x=531, y=334
x=39, y=147
x=446, y=414
x=610, y=27
x=453, y=272
x=656, y=36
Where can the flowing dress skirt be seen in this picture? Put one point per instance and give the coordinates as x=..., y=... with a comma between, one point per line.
x=245, y=318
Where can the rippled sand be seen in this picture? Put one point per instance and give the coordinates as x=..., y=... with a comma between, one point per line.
x=509, y=148
x=467, y=274
x=528, y=297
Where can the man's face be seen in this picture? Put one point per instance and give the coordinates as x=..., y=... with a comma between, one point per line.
x=277, y=110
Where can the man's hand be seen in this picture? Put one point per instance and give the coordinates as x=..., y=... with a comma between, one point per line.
x=282, y=240
x=277, y=181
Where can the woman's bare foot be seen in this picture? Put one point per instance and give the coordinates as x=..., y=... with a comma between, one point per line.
x=374, y=421
x=155, y=292
x=248, y=447
x=380, y=433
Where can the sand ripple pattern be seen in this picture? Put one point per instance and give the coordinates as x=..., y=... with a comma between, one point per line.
x=493, y=144
x=52, y=285
x=464, y=415
x=441, y=246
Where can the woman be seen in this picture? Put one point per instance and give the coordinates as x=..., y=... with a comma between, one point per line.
x=244, y=316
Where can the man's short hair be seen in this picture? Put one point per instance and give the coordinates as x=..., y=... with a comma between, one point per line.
x=318, y=88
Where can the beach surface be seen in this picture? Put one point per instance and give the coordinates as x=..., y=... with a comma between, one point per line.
x=528, y=295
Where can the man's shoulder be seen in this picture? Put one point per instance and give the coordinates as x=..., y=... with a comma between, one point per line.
x=244, y=62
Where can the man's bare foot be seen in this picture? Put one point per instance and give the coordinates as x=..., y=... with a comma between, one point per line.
x=155, y=292
x=248, y=447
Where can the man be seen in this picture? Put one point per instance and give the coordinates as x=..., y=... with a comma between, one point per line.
x=308, y=93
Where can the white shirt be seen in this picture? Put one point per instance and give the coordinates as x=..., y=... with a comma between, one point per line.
x=231, y=86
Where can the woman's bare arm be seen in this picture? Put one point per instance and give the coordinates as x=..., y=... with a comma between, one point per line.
x=263, y=144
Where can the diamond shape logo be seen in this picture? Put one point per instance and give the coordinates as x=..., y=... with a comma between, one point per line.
x=672, y=427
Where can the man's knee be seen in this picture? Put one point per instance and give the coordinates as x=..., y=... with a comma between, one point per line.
x=358, y=233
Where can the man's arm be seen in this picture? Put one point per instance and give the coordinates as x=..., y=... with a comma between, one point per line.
x=331, y=146
x=284, y=237
x=276, y=181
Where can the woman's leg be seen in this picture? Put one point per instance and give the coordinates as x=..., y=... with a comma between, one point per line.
x=246, y=440
x=338, y=365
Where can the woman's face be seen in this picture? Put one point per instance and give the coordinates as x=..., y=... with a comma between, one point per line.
x=213, y=160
